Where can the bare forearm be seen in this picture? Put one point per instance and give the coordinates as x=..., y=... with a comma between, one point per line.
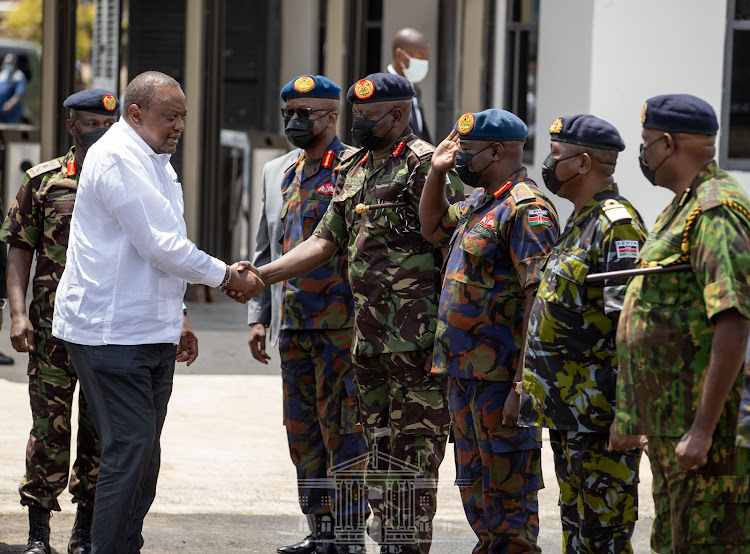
x=433, y=204
x=17, y=279
x=301, y=260
x=727, y=358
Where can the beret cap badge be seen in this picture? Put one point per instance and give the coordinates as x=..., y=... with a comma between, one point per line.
x=465, y=123
x=304, y=84
x=364, y=89
x=109, y=102
x=643, y=112
x=556, y=126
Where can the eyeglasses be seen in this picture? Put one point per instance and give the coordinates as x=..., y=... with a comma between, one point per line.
x=302, y=113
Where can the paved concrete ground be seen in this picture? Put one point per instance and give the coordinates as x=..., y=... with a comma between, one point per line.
x=227, y=484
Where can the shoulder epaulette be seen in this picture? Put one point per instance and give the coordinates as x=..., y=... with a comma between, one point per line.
x=43, y=167
x=352, y=158
x=709, y=195
x=421, y=148
x=522, y=193
x=616, y=211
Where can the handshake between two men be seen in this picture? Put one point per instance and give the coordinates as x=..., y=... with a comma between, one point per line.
x=243, y=282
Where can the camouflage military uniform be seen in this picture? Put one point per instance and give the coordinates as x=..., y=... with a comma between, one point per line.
x=395, y=278
x=497, y=246
x=39, y=220
x=570, y=372
x=320, y=408
x=664, y=344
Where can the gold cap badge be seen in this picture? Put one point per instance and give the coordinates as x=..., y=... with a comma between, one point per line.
x=109, y=102
x=304, y=84
x=556, y=126
x=364, y=89
x=643, y=112
x=465, y=123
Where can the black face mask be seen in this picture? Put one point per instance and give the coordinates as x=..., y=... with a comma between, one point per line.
x=649, y=173
x=300, y=132
x=463, y=167
x=363, y=131
x=548, y=173
x=88, y=139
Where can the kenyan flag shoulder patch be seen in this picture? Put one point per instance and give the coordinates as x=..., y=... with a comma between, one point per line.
x=538, y=216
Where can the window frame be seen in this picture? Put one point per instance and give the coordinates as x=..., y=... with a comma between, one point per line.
x=732, y=26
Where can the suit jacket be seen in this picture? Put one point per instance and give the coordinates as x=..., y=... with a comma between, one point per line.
x=265, y=308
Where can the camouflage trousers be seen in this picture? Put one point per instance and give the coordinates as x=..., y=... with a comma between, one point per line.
x=52, y=382
x=705, y=511
x=406, y=424
x=598, y=492
x=498, y=469
x=321, y=416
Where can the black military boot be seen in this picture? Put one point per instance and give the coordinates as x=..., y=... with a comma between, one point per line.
x=324, y=534
x=305, y=546
x=38, y=531
x=80, y=538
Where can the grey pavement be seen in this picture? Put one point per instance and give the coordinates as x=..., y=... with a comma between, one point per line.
x=227, y=483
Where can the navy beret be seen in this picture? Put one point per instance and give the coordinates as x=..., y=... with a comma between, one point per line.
x=586, y=130
x=491, y=125
x=380, y=87
x=679, y=113
x=310, y=86
x=94, y=100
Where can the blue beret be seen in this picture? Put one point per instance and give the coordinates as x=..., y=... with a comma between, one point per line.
x=679, y=113
x=491, y=125
x=310, y=86
x=94, y=100
x=586, y=130
x=380, y=87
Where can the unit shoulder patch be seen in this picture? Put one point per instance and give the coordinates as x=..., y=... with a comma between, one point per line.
x=421, y=148
x=43, y=167
x=615, y=211
x=521, y=193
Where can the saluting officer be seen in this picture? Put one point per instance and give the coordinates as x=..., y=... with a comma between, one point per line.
x=38, y=224
x=498, y=239
x=682, y=336
x=317, y=315
x=395, y=277
x=571, y=359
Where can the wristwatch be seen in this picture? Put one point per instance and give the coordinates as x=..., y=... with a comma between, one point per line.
x=3, y=303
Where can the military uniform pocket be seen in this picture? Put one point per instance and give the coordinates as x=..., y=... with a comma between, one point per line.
x=349, y=406
x=720, y=511
x=516, y=461
x=479, y=260
x=425, y=412
x=609, y=489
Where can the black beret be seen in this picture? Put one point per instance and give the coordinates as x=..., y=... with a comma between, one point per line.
x=310, y=86
x=380, y=87
x=94, y=100
x=679, y=113
x=586, y=130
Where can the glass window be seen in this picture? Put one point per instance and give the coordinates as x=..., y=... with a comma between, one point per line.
x=742, y=9
x=735, y=123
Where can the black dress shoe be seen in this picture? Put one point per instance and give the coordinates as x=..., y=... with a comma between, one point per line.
x=6, y=360
x=305, y=546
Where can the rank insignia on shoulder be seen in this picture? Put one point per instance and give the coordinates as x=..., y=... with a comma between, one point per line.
x=43, y=167
x=538, y=216
x=521, y=192
x=399, y=148
x=328, y=159
x=627, y=249
x=421, y=148
x=615, y=211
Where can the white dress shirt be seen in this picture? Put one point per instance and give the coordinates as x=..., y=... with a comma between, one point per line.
x=128, y=255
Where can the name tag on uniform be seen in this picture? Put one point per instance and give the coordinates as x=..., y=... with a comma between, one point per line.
x=627, y=248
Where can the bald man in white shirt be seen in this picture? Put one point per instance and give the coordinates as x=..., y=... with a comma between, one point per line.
x=119, y=303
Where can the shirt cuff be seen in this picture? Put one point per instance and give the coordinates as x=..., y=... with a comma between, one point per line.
x=216, y=273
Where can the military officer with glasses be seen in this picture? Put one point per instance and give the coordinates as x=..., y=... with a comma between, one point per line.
x=319, y=388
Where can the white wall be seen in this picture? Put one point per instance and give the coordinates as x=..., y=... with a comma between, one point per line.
x=299, y=39
x=423, y=16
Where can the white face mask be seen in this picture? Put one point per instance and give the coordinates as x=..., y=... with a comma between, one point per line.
x=417, y=69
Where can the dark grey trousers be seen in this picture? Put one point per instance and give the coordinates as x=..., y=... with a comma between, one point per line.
x=127, y=389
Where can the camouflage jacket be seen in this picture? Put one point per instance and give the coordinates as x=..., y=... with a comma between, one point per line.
x=570, y=365
x=665, y=330
x=321, y=299
x=39, y=220
x=497, y=246
x=393, y=271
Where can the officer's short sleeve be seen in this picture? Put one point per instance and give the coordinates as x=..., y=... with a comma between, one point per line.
x=448, y=223
x=532, y=235
x=720, y=255
x=621, y=245
x=22, y=227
